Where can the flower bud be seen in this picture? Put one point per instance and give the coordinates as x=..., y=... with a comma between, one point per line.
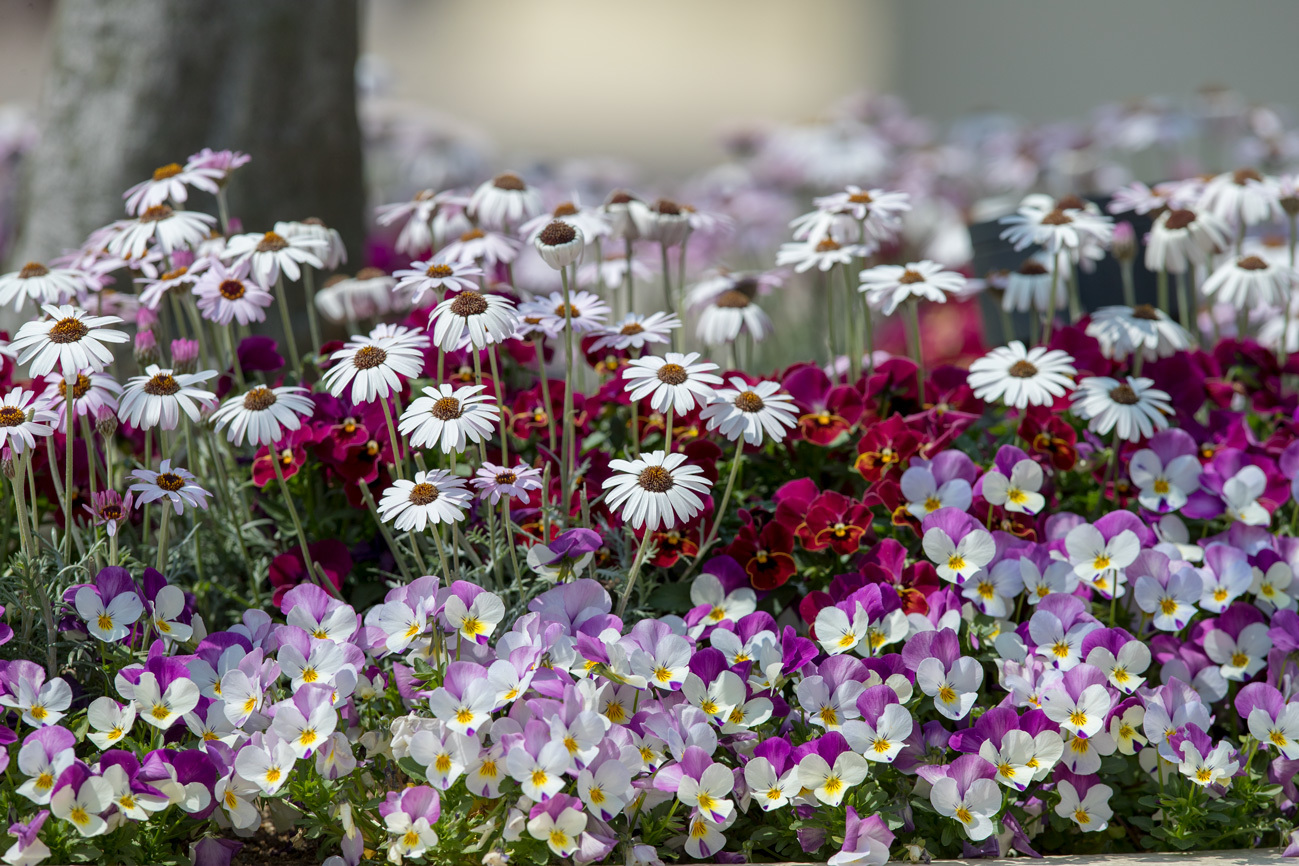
x=105, y=422
x=146, y=349
x=184, y=356
x=560, y=244
x=1125, y=242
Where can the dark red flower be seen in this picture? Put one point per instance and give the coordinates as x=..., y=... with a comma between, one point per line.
x=288, y=570
x=766, y=551
x=1050, y=438
x=837, y=522
x=885, y=447
x=828, y=410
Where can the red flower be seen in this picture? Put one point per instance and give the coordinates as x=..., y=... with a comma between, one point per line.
x=766, y=552
x=835, y=521
x=291, y=451
x=288, y=569
x=829, y=410
x=887, y=445
x=1049, y=437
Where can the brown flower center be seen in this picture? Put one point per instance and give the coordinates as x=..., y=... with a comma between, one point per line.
x=438, y=272
x=860, y=198
x=732, y=299
x=171, y=169
x=827, y=246
x=655, y=479
x=446, y=409
x=68, y=330
x=79, y=388
x=469, y=304
x=749, y=401
x=621, y=196
x=232, y=290
x=510, y=181
x=32, y=269
x=156, y=213
x=909, y=276
x=1252, y=263
x=673, y=374
x=631, y=329
x=11, y=416
x=162, y=385
x=259, y=399
x=1022, y=370
x=557, y=234
x=110, y=512
x=424, y=494
x=1124, y=395
x=572, y=311
x=169, y=481
x=1032, y=268
x=271, y=243
x=370, y=273
x=667, y=207
x=1179, y=219
x=506, y=478
x=1145, y=311
x=1057, y=217
x=472, y=235
x=368, y=357
x=1242, y=176
x=1070, y=202
x=175, y=275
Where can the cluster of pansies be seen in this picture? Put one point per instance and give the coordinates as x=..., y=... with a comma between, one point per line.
x=521, y=570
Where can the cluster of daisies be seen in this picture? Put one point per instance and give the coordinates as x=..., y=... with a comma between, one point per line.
x=1042, y=600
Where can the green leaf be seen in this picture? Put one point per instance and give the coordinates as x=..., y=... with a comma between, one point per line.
x=411, y=768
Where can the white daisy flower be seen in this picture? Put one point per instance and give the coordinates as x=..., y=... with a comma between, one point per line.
x=1044, y=223
x=822, y=255
x=160, y=395
x=433, y=497
x=878, y=210
x=505, y=201
x=485, y=319
x=1249, y=282
x=261, y=416
x=488, y=248
x=586, y=311
x=1183, y=238
x=436, y=275
x=636, y=331
x=675, y=380
x=1121, y=331
x=1022, y=377
x=731, y=313
x=227, y=293
x=494, y=482
x=90, y=393
x=177, y=282
x=449, y=418
x=888, y=286
x=271, y=253
x=331, y=250
x=656, y=491
x=171, y=183
x=374, y=367
x=591, y=222
x=171, y=229
x=21, y=422
x=41, y=284
x=175, y=485
x=1134, y=408
x=1243, y=194
x=69, y=338
x=1029, y=287
x=367, y=295
x=750, y=411
x=560, y=244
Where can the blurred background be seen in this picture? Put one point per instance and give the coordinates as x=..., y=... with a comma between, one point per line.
x=346, y=104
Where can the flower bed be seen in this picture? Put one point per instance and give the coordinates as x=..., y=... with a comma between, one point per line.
x=516, y=573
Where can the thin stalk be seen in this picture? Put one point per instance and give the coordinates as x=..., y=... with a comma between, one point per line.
x=1129, y=285
x=69, y=441
x=385, y=532
x=634, y=573
x=313, y=320
x=148, y=464
x=831, y=356
x=667, y=431
x=853, y=343
x=667, y=293
x=539, y=347
x=20, y=500
x=1049, y=325
x=509, y=539
x=392, y=434
x=1161, y=290
x=629, y=280
x=1289, y=293
x=566, y=460
x=326, y=585
x=717, y=514
x=1184, y=306
x=162, y=539
x=500, y=411
x=289, y=339
x=442, y=554
x=917, y=352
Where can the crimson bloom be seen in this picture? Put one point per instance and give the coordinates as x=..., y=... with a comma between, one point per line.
x=886, y=446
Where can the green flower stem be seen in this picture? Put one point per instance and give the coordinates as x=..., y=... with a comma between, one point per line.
x=634, y=573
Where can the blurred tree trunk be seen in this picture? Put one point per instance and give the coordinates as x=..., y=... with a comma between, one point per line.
x=137, y=84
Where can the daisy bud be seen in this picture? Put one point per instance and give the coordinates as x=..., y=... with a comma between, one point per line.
x=184, y=356
x=1290, y=204
x=7, y=464
x=618, y=211
x=664, y=221
x=105, y=421
x=559, y=244
x=1125, y=242
x=146, y=349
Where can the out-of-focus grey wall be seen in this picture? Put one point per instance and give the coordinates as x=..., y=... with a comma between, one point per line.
x=1054, y=59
